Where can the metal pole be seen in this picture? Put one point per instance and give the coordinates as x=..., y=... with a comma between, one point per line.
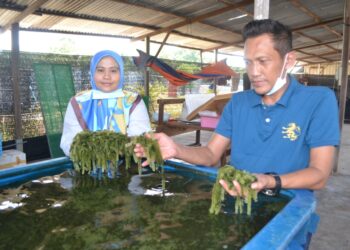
x=261, y=9
x=15, y=86
x=344, y=72
x=146, y=72
x=215, y=80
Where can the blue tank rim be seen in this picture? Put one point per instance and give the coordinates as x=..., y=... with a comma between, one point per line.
x=289, y=225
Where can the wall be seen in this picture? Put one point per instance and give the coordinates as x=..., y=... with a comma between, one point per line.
x=323, y=69
x=32, y=118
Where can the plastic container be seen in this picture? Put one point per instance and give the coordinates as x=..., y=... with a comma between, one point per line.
x=11, y=158
x=209, y=121
x=155, y=116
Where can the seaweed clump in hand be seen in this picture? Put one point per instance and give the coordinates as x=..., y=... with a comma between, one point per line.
x=228, y=174
x=152, y=151
x=102, y=149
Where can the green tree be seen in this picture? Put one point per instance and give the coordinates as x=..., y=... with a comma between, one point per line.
x=63, y=46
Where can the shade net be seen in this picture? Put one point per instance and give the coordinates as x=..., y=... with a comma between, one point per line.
x=56, y=87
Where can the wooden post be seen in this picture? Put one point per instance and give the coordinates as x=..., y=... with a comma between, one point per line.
x=344, y=73
x=215, y=80
x=161, y=46
x=15, y=86
x=261, y=9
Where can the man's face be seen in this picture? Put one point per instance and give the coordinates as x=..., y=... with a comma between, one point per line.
x=107, y=75
x=263, y=63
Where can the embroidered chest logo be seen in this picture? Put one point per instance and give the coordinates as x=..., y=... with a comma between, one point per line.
x=291, y=132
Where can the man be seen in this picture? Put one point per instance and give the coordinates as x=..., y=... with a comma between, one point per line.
x=283, y=131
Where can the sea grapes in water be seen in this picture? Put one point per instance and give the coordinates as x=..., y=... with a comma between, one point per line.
x=102, y=149
x=229, y=173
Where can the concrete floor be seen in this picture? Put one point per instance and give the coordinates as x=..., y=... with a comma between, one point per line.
x=333, y=202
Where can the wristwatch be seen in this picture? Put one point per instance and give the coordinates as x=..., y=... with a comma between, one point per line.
x=273, y=191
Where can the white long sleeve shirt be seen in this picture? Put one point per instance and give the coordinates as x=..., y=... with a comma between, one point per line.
x=138, y=124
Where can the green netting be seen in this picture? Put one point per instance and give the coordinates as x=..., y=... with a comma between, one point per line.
x=56, y=87
x=146, y=101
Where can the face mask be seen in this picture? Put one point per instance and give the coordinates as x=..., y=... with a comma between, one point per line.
x=281, y=80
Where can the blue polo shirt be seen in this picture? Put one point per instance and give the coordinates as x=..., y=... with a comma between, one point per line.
x=278, y=138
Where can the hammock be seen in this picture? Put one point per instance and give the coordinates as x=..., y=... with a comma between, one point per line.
x=179, y=78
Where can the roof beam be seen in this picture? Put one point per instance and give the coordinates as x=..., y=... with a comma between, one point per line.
x=167, y=13
x=312, y=55
x=195, y=19
x=318, y=44
x=337, y=19
x=162, y=44
x=99, y=19
x=235, y=44
x=321, y=62
x=319, y=23
x=318, y=55
x=316, y=18
x=26, y=12
x=315, y=40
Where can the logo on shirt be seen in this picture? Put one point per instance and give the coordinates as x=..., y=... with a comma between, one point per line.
x=291, y=132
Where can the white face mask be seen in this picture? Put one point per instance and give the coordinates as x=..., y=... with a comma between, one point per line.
x=281, y=80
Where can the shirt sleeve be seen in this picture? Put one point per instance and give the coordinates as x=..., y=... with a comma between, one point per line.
x=139, y=120
x=71, y=127
x=324, y=127
x=224, y=126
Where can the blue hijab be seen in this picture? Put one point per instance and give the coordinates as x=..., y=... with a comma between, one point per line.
x=98, y=57
x=101, y=110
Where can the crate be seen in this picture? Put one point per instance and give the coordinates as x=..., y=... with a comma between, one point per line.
x=11, y=158
x=209, y=121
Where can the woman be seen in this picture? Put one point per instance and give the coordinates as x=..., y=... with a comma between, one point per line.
x=106, y=106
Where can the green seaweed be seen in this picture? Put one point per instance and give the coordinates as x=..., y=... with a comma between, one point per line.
x=229, y=173
x=102, y=149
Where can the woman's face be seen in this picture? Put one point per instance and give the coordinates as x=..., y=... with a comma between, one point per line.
x=107, y=75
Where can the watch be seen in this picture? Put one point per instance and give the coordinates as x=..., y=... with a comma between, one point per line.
x=273, y=191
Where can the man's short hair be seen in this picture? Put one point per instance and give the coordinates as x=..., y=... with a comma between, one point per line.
x=280, y=33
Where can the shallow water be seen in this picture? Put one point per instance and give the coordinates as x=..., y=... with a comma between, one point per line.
x=70, y=211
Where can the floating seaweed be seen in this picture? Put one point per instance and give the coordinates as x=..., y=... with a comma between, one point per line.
x=102, y=149
x=245, y=179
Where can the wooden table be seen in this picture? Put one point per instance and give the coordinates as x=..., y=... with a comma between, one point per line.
x=175, y=127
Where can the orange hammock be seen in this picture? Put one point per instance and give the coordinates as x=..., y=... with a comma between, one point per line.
x=179, y=78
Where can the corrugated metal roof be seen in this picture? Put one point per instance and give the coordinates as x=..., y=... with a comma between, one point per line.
x=130, y=18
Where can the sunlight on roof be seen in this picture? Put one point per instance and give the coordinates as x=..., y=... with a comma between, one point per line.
x=45, y=42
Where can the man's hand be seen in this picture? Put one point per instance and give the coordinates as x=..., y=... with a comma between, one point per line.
x=168, y=147
x=263, y=181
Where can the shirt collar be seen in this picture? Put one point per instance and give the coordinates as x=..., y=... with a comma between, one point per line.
x=97, y=94
x=257, y=100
